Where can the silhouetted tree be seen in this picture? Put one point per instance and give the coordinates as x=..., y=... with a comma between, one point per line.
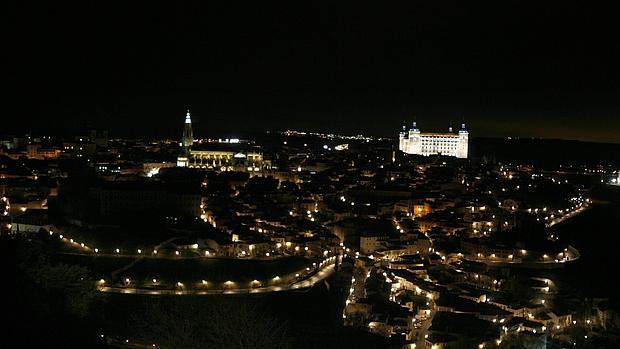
x=188, y=323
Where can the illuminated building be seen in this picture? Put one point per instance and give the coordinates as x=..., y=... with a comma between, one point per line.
x=188, y=136
x=414, y=141
x=224, y=155
x=186, y=141
x=227, y=157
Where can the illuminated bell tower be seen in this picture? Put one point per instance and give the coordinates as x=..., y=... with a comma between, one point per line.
x=188, y=136
x=186, y=141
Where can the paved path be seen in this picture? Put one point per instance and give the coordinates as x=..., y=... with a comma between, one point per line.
x=299, y=285
x=567, y=216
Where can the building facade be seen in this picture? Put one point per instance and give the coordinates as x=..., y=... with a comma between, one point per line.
x=142, y=197
x=186, y=141
x=227, y=157
x=413, y=141
x=188, y=135
x=219, y=156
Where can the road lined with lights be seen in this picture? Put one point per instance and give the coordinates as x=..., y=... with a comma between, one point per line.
x=570, y=214
x=325, y=271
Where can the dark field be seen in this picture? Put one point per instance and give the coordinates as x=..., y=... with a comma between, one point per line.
x=596, y=234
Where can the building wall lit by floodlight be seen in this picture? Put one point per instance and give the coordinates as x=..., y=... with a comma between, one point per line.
x=413, y=141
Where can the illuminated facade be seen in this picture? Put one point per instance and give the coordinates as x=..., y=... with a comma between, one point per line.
x=186, y=141
x=450, y=144
x=188, y=136
x=227, y=157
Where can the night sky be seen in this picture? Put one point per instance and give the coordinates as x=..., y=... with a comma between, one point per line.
x=509, y=70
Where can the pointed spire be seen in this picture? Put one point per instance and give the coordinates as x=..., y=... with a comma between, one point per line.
x=188, y=135
x=188, y=117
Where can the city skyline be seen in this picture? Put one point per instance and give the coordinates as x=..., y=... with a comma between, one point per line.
x=438, y=176
x=517, y=70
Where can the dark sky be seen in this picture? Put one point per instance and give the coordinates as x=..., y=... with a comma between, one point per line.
x=518, y=70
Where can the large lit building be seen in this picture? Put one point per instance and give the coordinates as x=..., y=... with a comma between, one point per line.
x=228, y=155
x=413, y=141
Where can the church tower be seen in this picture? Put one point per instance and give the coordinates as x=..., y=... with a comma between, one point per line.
x=188, y=136
x=186, y=141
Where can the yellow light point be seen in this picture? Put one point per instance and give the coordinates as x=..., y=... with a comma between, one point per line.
x=176, y=252
x=118, y=251
x=139, y=251
x=96, y=250
x=82, y=244
x=154, y=281
x=180, y=284
x=204, y=282
x=154, y=251
x=102, y=281
x=127, y=280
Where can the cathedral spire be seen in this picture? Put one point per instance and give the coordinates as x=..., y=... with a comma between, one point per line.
x=188, y=117
x=188, y=136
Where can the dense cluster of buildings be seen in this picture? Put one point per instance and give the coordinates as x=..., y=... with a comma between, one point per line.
x=433, y=242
